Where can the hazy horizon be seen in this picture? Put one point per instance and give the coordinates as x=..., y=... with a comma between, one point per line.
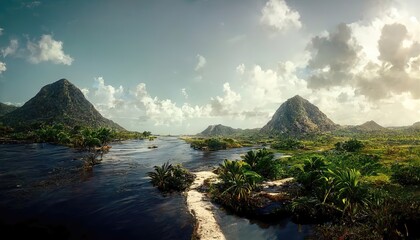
x=175, y=67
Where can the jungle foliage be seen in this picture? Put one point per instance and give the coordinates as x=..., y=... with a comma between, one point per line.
x=168, y=178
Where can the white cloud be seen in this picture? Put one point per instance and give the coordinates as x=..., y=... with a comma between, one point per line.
x=240, y=69
x=276, y=14
x=11, y=49
x=139, y=106
x=106, y=96
x=184, y=93
x=272, y=86
x=201, y=62
x=379, y=58
x=1, y=31
x=165, y=112
x=2, y=67
x=48, y=49
x=225, y=105
x=85, y=92
x=357, y=109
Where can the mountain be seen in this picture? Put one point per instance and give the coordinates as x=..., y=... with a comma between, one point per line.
x=415, y=125
x=221, y=130
x=5, y=109
x=370, y=126
x=218, y=130
x=298, y=116
x=59, y=102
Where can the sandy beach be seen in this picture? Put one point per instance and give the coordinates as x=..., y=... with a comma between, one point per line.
x=202, y=209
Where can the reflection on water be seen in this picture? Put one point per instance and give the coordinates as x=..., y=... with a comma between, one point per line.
x=241, y=228
x=44, y=183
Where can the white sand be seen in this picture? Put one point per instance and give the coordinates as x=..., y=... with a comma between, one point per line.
x=201, y=207
x=274, y=188
x=278, y=183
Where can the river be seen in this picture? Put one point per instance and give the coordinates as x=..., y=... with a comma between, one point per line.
x=43, y=186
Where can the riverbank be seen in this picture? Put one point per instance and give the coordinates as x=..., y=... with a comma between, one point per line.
x=201, y=207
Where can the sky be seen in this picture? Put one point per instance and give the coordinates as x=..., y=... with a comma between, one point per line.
x=177, y=66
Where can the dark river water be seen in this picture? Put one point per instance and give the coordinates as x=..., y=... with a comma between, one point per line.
x=44, y=187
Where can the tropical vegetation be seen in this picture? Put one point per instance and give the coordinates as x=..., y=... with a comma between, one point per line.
x=168, y=178
x=344, y=185
x=77, y=136
x=213, y=144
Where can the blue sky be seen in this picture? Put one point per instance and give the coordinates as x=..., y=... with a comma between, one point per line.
x=177, y=66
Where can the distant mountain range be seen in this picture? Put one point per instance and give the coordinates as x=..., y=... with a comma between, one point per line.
x=218, y=130
x=370, y=126
x=297, y=117
x=223, y=131
x=59, y=102
x=6, y=108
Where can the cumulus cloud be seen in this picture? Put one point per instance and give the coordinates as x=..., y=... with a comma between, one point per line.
x=398, y=68
x=395, y=47
x=165, y=111
x=333, y=58
x=277, y=15
x=85, y=92
x=266, y=87
x=225, y=105
x=357, y=109
x=184, y=93
x=138, y=105
x=378, y=58
x=201, y=62
x=11, y=49
x=48, y=49
x=160, y=111
x=2, y=67
x=240, y=69
x=106, y=96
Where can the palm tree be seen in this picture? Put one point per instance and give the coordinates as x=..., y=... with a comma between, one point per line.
x=251, y=158
x=264, y=154
x=105, y=135
x=63, y=137
x=90, y=140
x=349, y=190
x=312, y=172
x=239, y=187
x=160, y=176
x=266, y=165
x=237, y=179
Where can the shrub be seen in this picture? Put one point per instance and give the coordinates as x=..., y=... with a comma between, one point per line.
x=366, y=164
x=287, y=144
x=237, y=181
x=393, y=217
x=215, y=144
x=311, y=172
x=352, y=145
x=406, y=174
x=171, y=178
x=263, y=163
